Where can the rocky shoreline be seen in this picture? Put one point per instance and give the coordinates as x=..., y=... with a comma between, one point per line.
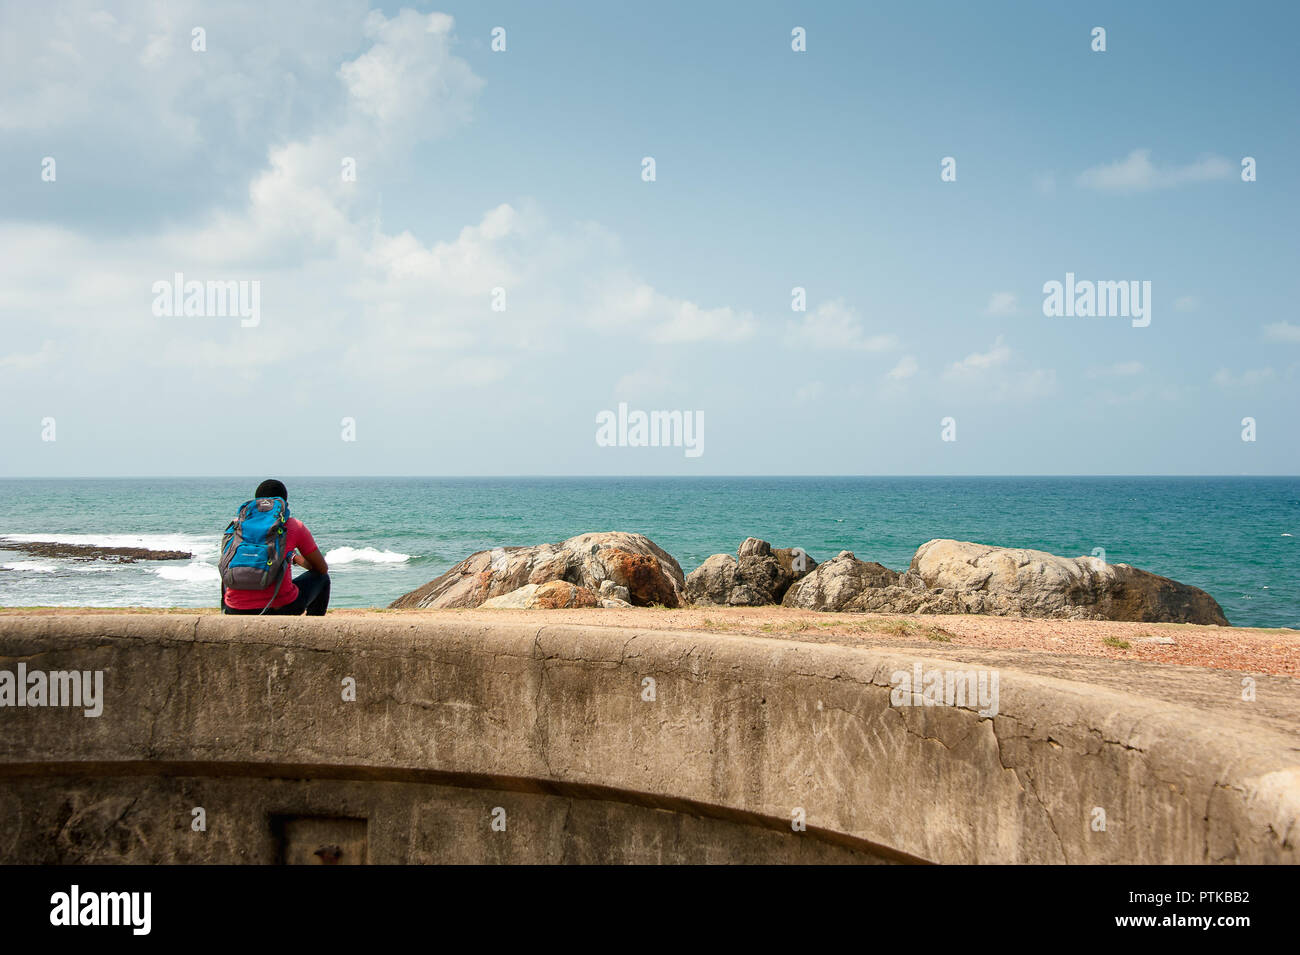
x=117, y=555
x=618, y=569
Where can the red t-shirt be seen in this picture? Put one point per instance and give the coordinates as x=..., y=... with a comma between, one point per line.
x=296, y=538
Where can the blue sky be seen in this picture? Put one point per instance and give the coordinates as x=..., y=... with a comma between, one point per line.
x=522, y=169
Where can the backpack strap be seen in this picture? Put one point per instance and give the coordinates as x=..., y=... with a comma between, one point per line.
x=274, y=595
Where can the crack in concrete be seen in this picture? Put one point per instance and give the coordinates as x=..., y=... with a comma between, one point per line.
x=541, y=729
x=1047, y=814
x=151, y=745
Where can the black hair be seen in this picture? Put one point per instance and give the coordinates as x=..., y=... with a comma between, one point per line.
x=272, y=488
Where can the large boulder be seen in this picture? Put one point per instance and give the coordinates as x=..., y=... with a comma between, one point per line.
x=755, y=577
x=713, y=582
x=832, y=585
x=633, y=562
x=1034, y=583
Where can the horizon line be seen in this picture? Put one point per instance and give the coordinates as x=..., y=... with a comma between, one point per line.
x=589, y=477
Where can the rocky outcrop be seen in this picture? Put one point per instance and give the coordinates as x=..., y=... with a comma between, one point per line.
x=755, y=577
x=117, y=555
x=948, y=576
x=645, y=572
x=834, y=584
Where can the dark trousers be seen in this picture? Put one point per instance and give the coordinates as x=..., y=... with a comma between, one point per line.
x=313, y=597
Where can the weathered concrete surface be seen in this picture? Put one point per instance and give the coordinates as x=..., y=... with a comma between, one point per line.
x=147, y=820
x=453, y=718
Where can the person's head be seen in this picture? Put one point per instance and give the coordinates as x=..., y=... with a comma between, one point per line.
x=272, y=488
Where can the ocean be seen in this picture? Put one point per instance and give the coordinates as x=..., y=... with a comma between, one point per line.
x=1234, y=537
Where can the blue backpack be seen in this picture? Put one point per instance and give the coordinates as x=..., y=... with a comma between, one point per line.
x=253, y=554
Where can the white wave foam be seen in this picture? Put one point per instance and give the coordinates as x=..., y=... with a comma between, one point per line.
x=368, y=555
x=34, y=566
x=190, y=573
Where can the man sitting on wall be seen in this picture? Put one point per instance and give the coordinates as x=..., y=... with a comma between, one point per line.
x=257, y=552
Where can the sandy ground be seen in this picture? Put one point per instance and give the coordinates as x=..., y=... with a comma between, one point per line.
x=1242, y=649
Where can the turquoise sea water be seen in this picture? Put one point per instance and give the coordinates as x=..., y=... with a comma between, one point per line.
x=1238, y=538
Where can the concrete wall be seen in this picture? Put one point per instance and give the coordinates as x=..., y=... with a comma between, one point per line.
x=454, y=719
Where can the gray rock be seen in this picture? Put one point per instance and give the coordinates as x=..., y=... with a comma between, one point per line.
x=612, y=591
x=832, y=585
x=795, y=561
x=713, y=581
x=761, y=576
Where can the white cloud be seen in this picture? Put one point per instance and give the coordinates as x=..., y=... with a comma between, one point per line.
x=1282, y=332
x=1187, y=303
x=688, y=322
x=367, y=304
x=29, y=361
x=1001, y=303
x=977, y=362
x=409, y=62
x=81, y=78
x=992, y=375
x=906, y=368
x=472, y=264
x=1137, y=173
x=1251, y=378
x=624, y=302
x=388, y=313
x=835, y=326
x=1121, y=369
